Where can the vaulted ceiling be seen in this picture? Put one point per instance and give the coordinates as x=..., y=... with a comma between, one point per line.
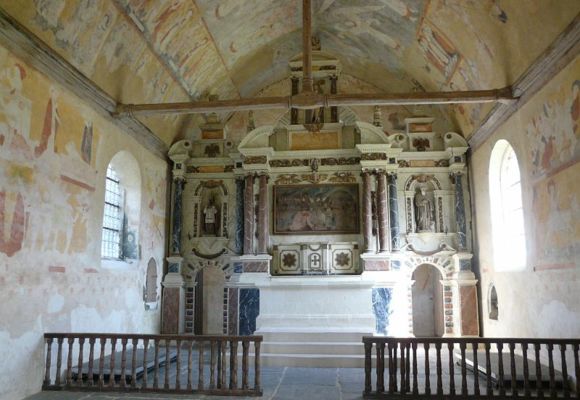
x=150, y=51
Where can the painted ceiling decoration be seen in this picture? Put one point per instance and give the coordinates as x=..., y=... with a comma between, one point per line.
x=183, y=51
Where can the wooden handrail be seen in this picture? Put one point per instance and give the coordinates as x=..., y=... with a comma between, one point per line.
x=468, y=359
x=125, y=362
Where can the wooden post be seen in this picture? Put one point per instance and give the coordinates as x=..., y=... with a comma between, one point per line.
x=200, y=383
x=245, y=346
x=233, y=363
x=167, y=364
x=415, y=382
x=190, y=366
x=450, y=348
x=527, y=392
x=474, y=346
x=511, y=346
x=463, y=370
x=439, y=372
x=144, y=377
x=177, y=365
x=500, y=367
x=212, y=364
x=124, y=362
x=427, y=377
x=539, y=386
x=368, y=348
x=156, y=367
x=112, y=363
x=488, y=369
x=103, y=342
x=564, y=370
x=257, y=366
x=48, y=361
x=91, y=377
x=551, y=371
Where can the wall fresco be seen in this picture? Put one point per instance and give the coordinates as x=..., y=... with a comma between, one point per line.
x=53, y=154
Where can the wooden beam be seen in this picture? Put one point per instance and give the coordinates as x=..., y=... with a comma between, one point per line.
x=312, y=100
x=28, y=47
x=554, y=59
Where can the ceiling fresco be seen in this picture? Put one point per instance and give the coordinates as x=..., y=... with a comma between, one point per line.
x=148, y=51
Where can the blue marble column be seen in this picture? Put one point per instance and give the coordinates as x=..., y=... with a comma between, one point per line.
x=249, y=310
x=382, y=308
x=239, y=236
x=460, y=213
x=178, y=185
x=393, y=211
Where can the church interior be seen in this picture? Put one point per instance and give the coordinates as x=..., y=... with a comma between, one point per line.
x=386, y=168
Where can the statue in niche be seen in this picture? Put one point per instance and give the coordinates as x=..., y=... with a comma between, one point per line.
x=210, y=218
x=424, y=212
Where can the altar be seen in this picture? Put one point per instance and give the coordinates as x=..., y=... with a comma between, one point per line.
x=314, y=235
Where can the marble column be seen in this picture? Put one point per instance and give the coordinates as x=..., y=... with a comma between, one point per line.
x=239, y=237
x=460, y=213
x=249, y=215
x=294, y=111
x=333, y=90
x=263, y=214
x=367, y=211
x=178, y=184
x=382, y=211
x=394, y=212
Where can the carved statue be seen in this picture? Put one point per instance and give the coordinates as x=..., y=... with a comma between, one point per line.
x=210, y=218
x=424, y=212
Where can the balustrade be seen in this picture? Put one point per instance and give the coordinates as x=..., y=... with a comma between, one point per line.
x=504, y=365
x=143, y=358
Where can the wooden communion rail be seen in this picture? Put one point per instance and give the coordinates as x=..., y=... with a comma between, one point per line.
x=412, y=364
x=136, y=367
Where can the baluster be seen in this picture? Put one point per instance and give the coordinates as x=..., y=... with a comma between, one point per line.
x=257, y=366
x=488, y=370
x=144, y=377
x=224, y=345
x=564, y=371
x=233, y=364
x=200, y=366
x=427, y=373
x=156, y=367
x=551, y=370
x=527, y=392
x=368, y=349
x=245, y=346
x=103, y=343
x=450, y=347
x=415, y=383
x=395, y=347
x=512, y=346
x=391, y=368
x=539, y=387
x=500, y=367
x=439, y=372
x=69, y=361
x=463, y=369
x=80, y=362
x=123, y=362
x=167, y=363
x=475, y=346
x=380, y=366
x=58, y=361
x=135, y=342
x=178, y=365
x=213, y=365
x=190, y=366
x=112, y=363
x=403, y=383
x=577, y=369
x=408, y=369
x=91, y=361
x=48, y=361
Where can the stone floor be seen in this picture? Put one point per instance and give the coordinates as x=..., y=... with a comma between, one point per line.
x=278, y=383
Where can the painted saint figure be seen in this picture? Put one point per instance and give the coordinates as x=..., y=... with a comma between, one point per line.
x=210, y=218
x=424, y=212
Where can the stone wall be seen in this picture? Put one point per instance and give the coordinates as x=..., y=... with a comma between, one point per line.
x=542, y=300
x=54, y=153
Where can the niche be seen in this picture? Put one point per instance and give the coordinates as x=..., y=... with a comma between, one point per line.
x=492, y=305
x=211, y=209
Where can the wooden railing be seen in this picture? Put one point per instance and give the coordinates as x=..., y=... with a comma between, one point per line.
x=471, y=367
x=155, y=363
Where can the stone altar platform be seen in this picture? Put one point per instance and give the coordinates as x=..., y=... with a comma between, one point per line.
x=314, y=321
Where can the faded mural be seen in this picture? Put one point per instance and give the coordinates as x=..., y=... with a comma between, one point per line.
x=53, y=154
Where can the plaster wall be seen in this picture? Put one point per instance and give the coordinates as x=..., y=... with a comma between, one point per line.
x=542, y=299
x=54, y=153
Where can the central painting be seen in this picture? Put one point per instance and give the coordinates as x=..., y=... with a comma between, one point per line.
x=316, y=209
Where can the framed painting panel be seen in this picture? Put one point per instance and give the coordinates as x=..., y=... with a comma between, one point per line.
x=316, y=209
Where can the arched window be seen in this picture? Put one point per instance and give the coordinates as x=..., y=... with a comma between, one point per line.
x=122, y=207
x=507, y=214
x=112, y=216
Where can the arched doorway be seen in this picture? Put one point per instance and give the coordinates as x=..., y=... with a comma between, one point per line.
x=427, y=302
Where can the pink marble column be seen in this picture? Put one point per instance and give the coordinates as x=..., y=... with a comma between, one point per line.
x=367, y=210
x=263, y=214
x=382, y=211
x=249, y=215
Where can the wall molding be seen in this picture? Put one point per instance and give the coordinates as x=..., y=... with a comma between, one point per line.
x=27, y=46
x=564, y=49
